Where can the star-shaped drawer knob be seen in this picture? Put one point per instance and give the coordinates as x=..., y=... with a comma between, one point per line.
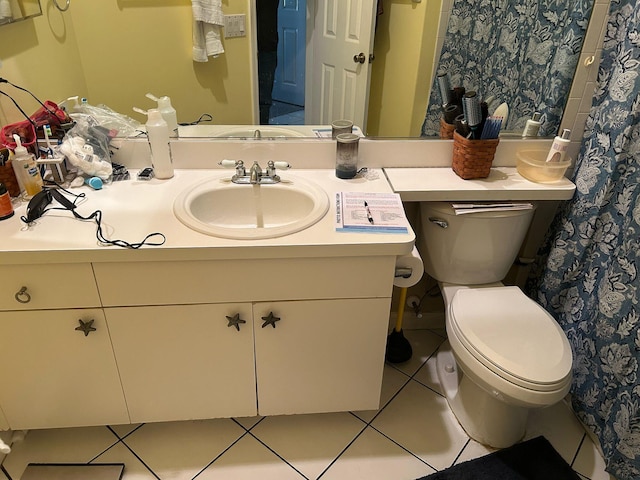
x=86, y=327
x=270, y=319
x=235, y=321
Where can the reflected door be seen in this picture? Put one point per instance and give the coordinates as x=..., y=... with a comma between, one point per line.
x=338, y=67
x=289, y=81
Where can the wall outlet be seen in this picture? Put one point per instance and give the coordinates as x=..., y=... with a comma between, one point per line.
x=234, y=25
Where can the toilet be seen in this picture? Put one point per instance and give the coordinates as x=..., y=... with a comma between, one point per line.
x=505, y=355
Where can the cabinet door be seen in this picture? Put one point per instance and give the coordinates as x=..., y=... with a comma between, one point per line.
x=57, y=376
x=184, y=362
x=322, y=356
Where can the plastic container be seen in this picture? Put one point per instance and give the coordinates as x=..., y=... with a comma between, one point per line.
x=533, y=166
x=158, y=135
x=27, y=170
x=347, y=155
x=168, y=113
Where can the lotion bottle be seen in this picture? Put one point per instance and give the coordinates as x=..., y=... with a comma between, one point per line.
x=168, y=113
x=26, y=169
x=559, y=147
x=532, y=126
x=158, y=136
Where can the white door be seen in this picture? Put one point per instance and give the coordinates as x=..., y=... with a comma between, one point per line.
x=338, y=68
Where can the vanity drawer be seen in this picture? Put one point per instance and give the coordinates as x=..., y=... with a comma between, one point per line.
x=39, y=287
x=167, y=283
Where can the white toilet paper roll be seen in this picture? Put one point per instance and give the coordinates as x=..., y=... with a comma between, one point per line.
x=410, y=261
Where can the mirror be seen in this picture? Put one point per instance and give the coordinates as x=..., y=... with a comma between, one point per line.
x=15, y=10
x=519, y=57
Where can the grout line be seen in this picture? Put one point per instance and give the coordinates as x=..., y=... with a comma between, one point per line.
x=343, y=450
x=575, y=456
x=403, y=448
x=140, y=459
x=4, y=471
x=460, y=452
x=277, y=455
x=221, y=454
x=250, y=428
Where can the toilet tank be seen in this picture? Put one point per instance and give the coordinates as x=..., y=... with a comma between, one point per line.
x=470, y=249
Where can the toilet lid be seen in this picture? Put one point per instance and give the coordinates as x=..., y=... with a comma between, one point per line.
x=512, y=335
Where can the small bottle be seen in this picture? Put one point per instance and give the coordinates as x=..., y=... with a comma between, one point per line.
x=532, y=126
x=158, y=136
x=559, y=146
x=168, y=113
x=6, y=209
x=26, y=168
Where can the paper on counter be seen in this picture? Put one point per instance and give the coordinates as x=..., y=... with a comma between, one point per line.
x=385, y=209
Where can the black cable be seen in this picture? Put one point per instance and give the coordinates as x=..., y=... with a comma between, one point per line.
x=97, y=217
x=4, y=80
x=19, y=108
x=205, y=117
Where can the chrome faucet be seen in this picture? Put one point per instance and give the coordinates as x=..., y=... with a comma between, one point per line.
x=255, y=176
x=255, y=173
x=257, y=134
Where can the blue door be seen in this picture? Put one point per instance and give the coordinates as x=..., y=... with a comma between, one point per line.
x=289, y=81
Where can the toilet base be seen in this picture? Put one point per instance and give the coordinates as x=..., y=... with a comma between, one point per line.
x=484, y=417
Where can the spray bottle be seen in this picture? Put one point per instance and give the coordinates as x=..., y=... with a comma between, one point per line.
x=158, y=136
x=26, y=169
x=168, y=113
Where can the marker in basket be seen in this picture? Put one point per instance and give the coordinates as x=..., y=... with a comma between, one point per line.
x=369, y=217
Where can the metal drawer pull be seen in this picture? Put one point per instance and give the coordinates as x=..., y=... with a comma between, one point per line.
x=441, y=223
x=22, y=296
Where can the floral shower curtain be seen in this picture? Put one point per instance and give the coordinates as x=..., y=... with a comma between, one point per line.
x=587, y=272
x=523, y=53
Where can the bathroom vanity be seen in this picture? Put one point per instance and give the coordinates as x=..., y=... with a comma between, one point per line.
x=200, y=327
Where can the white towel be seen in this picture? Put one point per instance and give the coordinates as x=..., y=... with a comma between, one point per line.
x=208, y=19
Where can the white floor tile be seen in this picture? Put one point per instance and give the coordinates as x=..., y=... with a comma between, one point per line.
x=179, y=450
x=392, y=382
x=134, y=469
x=63, y=445
x=473, y=450
x=590, y=463
x=248, y=459
x=309, y=442
x=423, y=343
x=372, y=456
x=420, y=420
x=428, y=375
x=124, y=430
x=558, y=425
x=248, y=422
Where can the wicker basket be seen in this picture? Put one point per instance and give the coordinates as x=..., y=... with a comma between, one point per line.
x=473, y=158
x=8, y=177
x=446, y=130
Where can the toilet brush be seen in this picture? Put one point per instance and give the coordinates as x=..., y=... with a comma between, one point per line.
x=398, y=348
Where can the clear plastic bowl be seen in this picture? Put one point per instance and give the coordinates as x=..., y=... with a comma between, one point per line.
x=531, y=165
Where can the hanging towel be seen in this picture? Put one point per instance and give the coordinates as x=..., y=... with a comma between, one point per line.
x=208, y=19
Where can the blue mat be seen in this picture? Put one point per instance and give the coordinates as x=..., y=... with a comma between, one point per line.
x=534, y=459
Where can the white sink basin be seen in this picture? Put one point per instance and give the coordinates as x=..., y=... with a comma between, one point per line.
x=220, y=208
x=265, y=132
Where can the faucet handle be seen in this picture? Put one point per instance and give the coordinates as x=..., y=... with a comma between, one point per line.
x=282, y=165
x=229, y=163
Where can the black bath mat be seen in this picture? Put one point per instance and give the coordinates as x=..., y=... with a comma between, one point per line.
x=73, y=471
x=534, y=459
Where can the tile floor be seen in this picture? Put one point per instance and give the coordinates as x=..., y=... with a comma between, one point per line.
x=286, y=114
x=413, y=434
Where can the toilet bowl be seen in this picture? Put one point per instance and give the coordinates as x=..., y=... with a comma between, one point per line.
x=505, y=354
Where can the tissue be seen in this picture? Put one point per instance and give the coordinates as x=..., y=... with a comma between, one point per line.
x=411, y=261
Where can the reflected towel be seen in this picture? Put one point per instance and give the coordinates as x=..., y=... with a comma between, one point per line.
x=208, y=19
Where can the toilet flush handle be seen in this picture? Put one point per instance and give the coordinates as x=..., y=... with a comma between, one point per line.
x=439, y=222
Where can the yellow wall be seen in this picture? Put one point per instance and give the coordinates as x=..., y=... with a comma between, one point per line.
x=401, y=75
x=39, y=54
x=125, y=49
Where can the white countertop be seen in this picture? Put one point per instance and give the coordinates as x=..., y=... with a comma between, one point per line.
x=133, y=209
x=503, y=183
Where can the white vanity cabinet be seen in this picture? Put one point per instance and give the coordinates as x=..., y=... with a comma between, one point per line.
x=58, y=365
x=321, y=356
x=185, y=362
x=4, y=425
x=179, y=359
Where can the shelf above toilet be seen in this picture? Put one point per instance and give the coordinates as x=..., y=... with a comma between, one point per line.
x=442, y=184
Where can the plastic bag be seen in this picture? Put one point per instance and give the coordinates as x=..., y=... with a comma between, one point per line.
x=86, y=147
x=104, y=116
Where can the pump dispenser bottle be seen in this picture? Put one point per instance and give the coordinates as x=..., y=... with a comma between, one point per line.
x=158, y=136
x=26, y=169
x=532, y=126
x=559, y=146
x=168, y=113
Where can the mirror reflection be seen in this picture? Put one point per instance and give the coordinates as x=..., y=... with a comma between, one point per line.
x=520, y=58
x=16, y=10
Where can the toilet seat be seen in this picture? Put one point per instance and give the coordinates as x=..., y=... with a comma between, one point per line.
x=512, y=336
